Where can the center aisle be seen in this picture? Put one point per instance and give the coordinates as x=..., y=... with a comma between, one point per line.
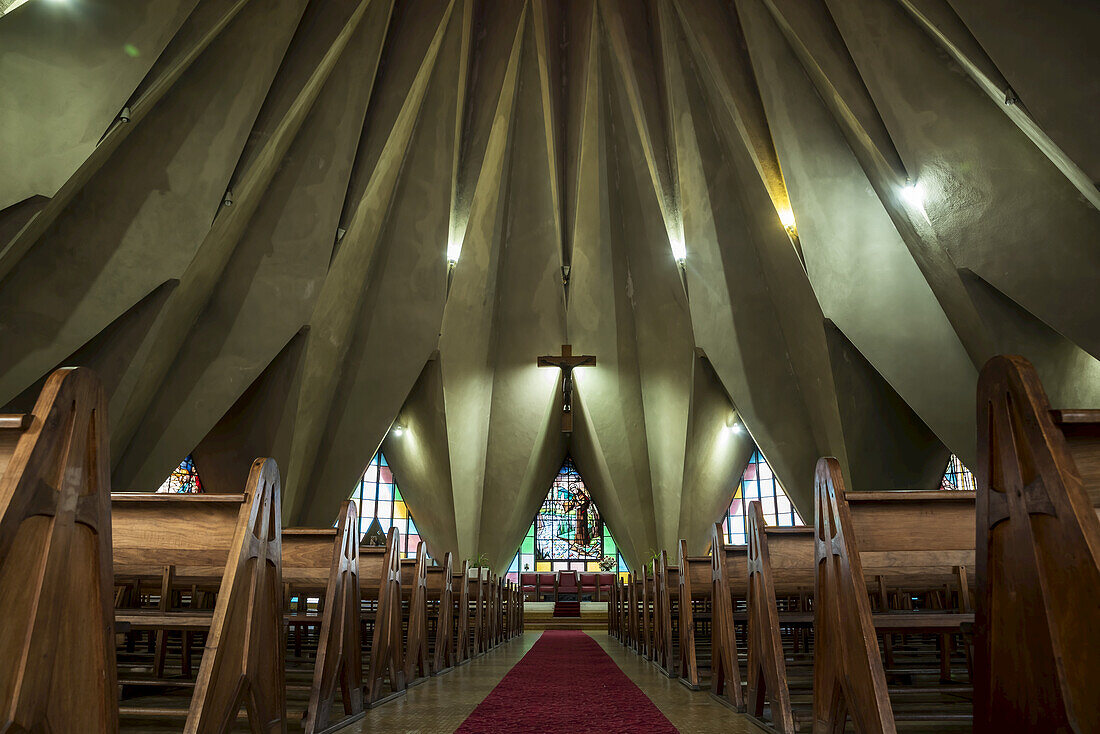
x=566, y=682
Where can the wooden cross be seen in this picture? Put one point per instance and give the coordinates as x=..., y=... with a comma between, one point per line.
x=566, y=362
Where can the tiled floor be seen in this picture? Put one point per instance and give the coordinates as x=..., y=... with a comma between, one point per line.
x=692, y=712
x=441, y=704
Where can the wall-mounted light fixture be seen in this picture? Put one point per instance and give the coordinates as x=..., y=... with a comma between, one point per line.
x=786, y=216
x=913, y=193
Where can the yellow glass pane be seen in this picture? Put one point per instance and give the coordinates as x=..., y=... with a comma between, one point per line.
x=399, y=511
x=593, y=567
x=542, y=566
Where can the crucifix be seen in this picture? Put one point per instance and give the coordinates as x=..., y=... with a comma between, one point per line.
x=566, y=362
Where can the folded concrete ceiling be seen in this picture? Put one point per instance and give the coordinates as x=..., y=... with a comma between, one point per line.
x=241, y=213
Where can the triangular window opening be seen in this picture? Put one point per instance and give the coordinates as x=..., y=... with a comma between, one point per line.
x=184, y=480
x=567, y=532
x=376, y=494
x=957, y=476
x=758, y=483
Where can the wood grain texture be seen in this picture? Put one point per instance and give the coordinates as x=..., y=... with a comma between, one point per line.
x=440, y=584
x=1038, y=573
x=725, y=678
x=339, y=661
x=380, y=578
x=462, y=613
x=848, y=676
x=414, y=589
x=56, y=594
x=244, y=662
x=767, y=679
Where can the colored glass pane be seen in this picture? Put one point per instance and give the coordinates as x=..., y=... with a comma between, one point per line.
x=184, y=480
x=758, y=483
x=377, y=495
x=567, y=532
x=957, y=476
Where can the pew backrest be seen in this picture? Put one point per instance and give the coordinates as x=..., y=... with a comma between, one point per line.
x=1038, y=601
x=56, y=594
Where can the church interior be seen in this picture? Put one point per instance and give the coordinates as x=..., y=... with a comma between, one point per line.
x=549, y=366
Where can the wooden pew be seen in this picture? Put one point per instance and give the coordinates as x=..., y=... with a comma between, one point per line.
x=441, y=610
x=231, y=543
x=462, y=617
x=613, y=613
x=780, y=566
x=414, y=601
x=919, y=540
x=649, y=610
x=479, y=604
x=696, y=617
x=495, y=619
x=623, y=593
x=325, y=561
x=729, y=585
x=652, y=583
x=633, y=600
x=381, y=619
x=668, y=601
x=57, y=636
x=1038, y=566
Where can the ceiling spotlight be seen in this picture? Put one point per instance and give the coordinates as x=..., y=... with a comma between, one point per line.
x=679, y=250
x=454, y=248
x=913, y=193
x=786, y=216
x=736, y=428
x=398, y=429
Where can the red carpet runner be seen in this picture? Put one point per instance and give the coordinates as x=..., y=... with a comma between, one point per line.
x=566, y=683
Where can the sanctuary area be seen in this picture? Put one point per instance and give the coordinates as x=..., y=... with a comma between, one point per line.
x=580, y=366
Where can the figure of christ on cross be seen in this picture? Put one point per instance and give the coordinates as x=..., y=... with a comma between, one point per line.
x=566, y=362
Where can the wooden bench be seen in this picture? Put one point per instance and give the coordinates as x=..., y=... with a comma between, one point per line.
x=920, y=541
x=632, y=605
x=668, y=625
x=479, y=610
x=414, y=601
x=648, y=611
x=728, y=588
x=381, y=619
x=57, y=636
x=1038, y=623
x=441, y=610
x=231, y=543
x=780, y=567
x=325, y=562
x=613, y=612
x=642, y=601
x=657, y=641
x=462, y=619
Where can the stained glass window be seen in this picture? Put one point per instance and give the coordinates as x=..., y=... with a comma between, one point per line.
x=758, y=483
x=567, y=533
x=378, y=496
x=184, y=480
x=957, y=476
